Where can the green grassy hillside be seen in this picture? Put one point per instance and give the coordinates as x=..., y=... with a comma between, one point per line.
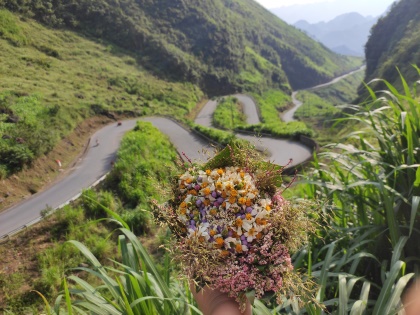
x=222, y=45
x=395, y=42
x=51, y=80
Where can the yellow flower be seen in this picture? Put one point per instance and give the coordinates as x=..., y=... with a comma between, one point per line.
x=241, y=200
x=224, y=253
x=238, y=222
x=219, y=242
x=238, y=248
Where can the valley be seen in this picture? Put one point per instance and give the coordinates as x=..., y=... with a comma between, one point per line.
x=184, y=78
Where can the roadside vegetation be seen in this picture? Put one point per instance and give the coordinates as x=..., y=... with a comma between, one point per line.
x=323, y=106
x=270, y=106
x=39, y=258
x=229, y=114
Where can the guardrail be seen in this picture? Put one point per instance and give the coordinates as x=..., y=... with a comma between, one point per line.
x=6, y=237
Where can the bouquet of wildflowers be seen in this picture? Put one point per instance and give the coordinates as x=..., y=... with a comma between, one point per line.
x=234, y=230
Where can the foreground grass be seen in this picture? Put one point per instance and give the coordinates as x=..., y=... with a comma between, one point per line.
x=39, y=258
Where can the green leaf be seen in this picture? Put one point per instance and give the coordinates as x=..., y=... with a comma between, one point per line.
x=414, y=208
x=386, y=290
x=68, y=299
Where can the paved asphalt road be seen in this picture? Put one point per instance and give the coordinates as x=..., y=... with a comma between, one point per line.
x=97, y=161
x=280, y=151
x=289, y=115
x=204, y=118
x=92, y=166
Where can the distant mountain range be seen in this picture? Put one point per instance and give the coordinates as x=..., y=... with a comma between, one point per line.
x=346, y=34
x=329, y=9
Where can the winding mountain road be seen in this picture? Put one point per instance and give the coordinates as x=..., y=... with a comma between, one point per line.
x=91, y=168
x=97, y=160
x=280, y=151
x=289, y=115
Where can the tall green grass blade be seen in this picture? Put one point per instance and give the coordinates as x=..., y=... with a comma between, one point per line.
x=57, y=304
x=149, y=264
x=260, y=309
x=370, y=90
x=414, y=208
x=386, y=290
x=342, y=295
x=398, y=249
x=324, y=272
x=127, y=306
x=393, y=306
x=405, y=85
x=67, y=296
x=47, y=305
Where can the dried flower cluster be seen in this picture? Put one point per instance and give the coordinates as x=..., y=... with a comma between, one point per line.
x=234, y=229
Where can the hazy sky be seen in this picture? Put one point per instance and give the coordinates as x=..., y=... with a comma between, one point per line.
x=364, y=7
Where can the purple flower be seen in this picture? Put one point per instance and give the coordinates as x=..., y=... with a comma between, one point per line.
x=199, y=179
x=243, y=216
x=243, y=237
x=198, y=202
x=197, y=187
x=230, y=233
x=220, y=200
x=192, y=222
x=248, y=209
x=214, y=194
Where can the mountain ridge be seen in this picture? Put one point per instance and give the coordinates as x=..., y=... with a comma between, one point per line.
x=224, y=46
x=393, y=44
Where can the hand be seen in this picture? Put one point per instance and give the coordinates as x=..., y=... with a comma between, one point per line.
x=214, y=302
